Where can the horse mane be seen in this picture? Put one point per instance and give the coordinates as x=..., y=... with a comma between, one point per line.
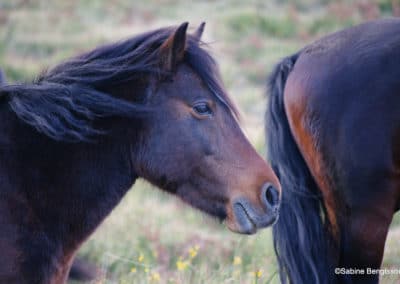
x=63, y=102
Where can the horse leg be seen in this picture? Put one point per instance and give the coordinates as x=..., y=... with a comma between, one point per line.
x=371, y=199
x=362, y=245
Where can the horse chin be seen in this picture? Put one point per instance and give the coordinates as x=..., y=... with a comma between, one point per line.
x=242, y=222
x=235, y=228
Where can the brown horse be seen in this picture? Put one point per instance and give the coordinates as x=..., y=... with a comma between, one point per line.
x=333, y=130
x=75, y=140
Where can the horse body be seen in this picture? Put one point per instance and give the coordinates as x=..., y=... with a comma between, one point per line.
x=340, y=100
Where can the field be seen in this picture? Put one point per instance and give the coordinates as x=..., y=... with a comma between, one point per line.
x=152, y=237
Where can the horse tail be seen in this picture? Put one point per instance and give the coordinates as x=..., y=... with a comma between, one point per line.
x=301, y=240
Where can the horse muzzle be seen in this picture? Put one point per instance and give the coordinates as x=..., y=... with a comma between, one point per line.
x=249, y=218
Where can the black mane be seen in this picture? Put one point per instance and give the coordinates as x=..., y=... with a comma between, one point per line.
x=64, y=101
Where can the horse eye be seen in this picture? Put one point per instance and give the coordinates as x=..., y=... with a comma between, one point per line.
x=202, y=109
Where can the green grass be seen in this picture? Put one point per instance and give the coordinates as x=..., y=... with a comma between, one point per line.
x=150, y=233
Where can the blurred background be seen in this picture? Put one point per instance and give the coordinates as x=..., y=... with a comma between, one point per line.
x=152, y=237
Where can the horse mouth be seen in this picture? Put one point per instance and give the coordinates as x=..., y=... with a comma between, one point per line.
x=246, y=225
x=247, y=221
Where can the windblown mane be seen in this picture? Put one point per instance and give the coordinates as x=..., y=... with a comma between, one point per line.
x=64, y=101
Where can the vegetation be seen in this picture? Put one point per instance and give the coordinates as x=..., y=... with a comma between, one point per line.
x=152, y=237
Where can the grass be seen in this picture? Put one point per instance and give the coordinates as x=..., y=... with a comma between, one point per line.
x=152, y=237
x=155, y=233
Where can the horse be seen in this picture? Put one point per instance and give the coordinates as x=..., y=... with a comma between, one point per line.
x=75, y=139
x=332, y=126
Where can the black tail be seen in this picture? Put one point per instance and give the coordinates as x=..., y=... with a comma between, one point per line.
x=300, y=237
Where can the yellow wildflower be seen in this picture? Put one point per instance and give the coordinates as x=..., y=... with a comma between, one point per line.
x=237, y=260
x=258, y=273
x=193, y=252
x=181, y=265
x=133, y=269
x=155, y=277
x=141, y=258
x=146, y=270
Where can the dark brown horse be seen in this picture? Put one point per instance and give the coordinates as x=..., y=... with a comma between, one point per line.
x=75, y=140
x=333, y=130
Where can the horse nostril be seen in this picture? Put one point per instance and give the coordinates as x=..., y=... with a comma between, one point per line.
x=271, y=196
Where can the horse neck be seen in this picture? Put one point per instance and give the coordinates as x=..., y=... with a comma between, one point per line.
x=97, y=174
x=67, y=188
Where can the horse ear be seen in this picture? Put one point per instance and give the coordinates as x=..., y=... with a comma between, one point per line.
x=172, y=50
x=199, y=32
